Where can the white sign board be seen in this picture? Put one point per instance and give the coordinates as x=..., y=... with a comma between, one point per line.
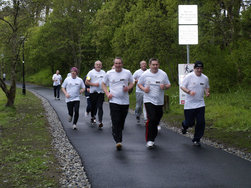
x=183, y=70
x=188, y=14
x=188, y=34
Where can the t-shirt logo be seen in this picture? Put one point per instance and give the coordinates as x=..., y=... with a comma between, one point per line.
x=122, y=79
x=157, y=82
x=202, y=84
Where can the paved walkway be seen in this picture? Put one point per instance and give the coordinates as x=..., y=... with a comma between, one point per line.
x=175, y=162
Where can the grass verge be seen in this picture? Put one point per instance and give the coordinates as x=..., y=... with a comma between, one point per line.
x=227, y=115
x=26, y=155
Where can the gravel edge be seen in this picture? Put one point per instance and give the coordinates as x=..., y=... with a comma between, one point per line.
x=234, y=151
x=73, y=173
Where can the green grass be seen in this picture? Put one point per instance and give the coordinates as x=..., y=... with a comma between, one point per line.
x=227, y=116
x=26, y=155
x=43, y=77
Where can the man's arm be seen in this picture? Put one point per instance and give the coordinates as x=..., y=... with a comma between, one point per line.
x=108, y=94
x=65, y=93
x=207, y=91
x=189, y=92
x=145, y=89
x=89, y=83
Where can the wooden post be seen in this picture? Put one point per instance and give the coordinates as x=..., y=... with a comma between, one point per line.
x=166, y=103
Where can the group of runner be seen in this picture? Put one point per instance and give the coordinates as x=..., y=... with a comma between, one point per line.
x=117, y=83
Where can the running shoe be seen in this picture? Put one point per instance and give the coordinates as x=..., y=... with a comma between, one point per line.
x=149, y=144
x=119, y=146
x=159, y=127
x=74, y=127
x=138, y=119
x=93, y=120
x=183, y=129
x=100, y=125
x=70, y=118
x=196, y=143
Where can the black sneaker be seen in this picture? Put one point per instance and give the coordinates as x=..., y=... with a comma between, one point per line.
x=100, y=125
x=93, y=120
x=119, y=146
x=184, y=129
x=138, y=119
x=196, y=143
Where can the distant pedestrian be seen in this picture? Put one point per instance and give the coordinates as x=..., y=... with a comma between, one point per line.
x=94, y=80
x=4, y=76
x=72, y=87
x=139, y=93
x=195, y=84
x=57, y=81
x=88, y=100
x=153, y=82
x=120, y=81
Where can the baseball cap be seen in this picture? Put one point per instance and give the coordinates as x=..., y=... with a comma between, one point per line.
x=198, y=64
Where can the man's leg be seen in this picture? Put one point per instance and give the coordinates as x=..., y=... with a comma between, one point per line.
x=93, y=98
x=152, y=122
x=70, y=106
x=115, y=117
x=189, y=119
x=139, y=102
x=200, y=124
x=58, y=91
x=100, y=101
x=76, y=111
x=55, y=91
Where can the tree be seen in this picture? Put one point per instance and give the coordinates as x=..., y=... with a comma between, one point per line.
x=17, y=16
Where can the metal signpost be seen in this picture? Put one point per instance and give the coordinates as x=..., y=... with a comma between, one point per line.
x=188, y=35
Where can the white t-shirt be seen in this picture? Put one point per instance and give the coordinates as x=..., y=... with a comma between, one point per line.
x=136, y=76
x=73, y=87
x=116, y=82
x=197, y=84
x=153, y=80
x=58, y=79
x=96, y=77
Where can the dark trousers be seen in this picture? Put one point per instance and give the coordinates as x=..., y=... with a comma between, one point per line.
x=97, y=100
x=88, y=107
x=73, y=106
x=154, y=114
x=57, y=91
x=118, y=115
x=198, y=115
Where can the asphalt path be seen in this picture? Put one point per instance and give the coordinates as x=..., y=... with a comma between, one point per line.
x=174, y=162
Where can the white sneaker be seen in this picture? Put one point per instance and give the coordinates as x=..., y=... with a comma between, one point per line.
x=70, y=118
x=74, y=127
x=159, y=127
x=149, y=144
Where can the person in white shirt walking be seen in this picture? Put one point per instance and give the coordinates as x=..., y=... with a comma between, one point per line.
x=139, y=93
x=94, y=80
x=57, y=81
x=153, y=82
x=72, y=87
x=120, y=81
x=195, y=84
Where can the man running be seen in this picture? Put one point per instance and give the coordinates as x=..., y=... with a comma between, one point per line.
x=120, y=81
x=195, y=84
x=139, y=93
x=94, y=80
x=57, y=81
x=153, y=82
x=72, y=87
